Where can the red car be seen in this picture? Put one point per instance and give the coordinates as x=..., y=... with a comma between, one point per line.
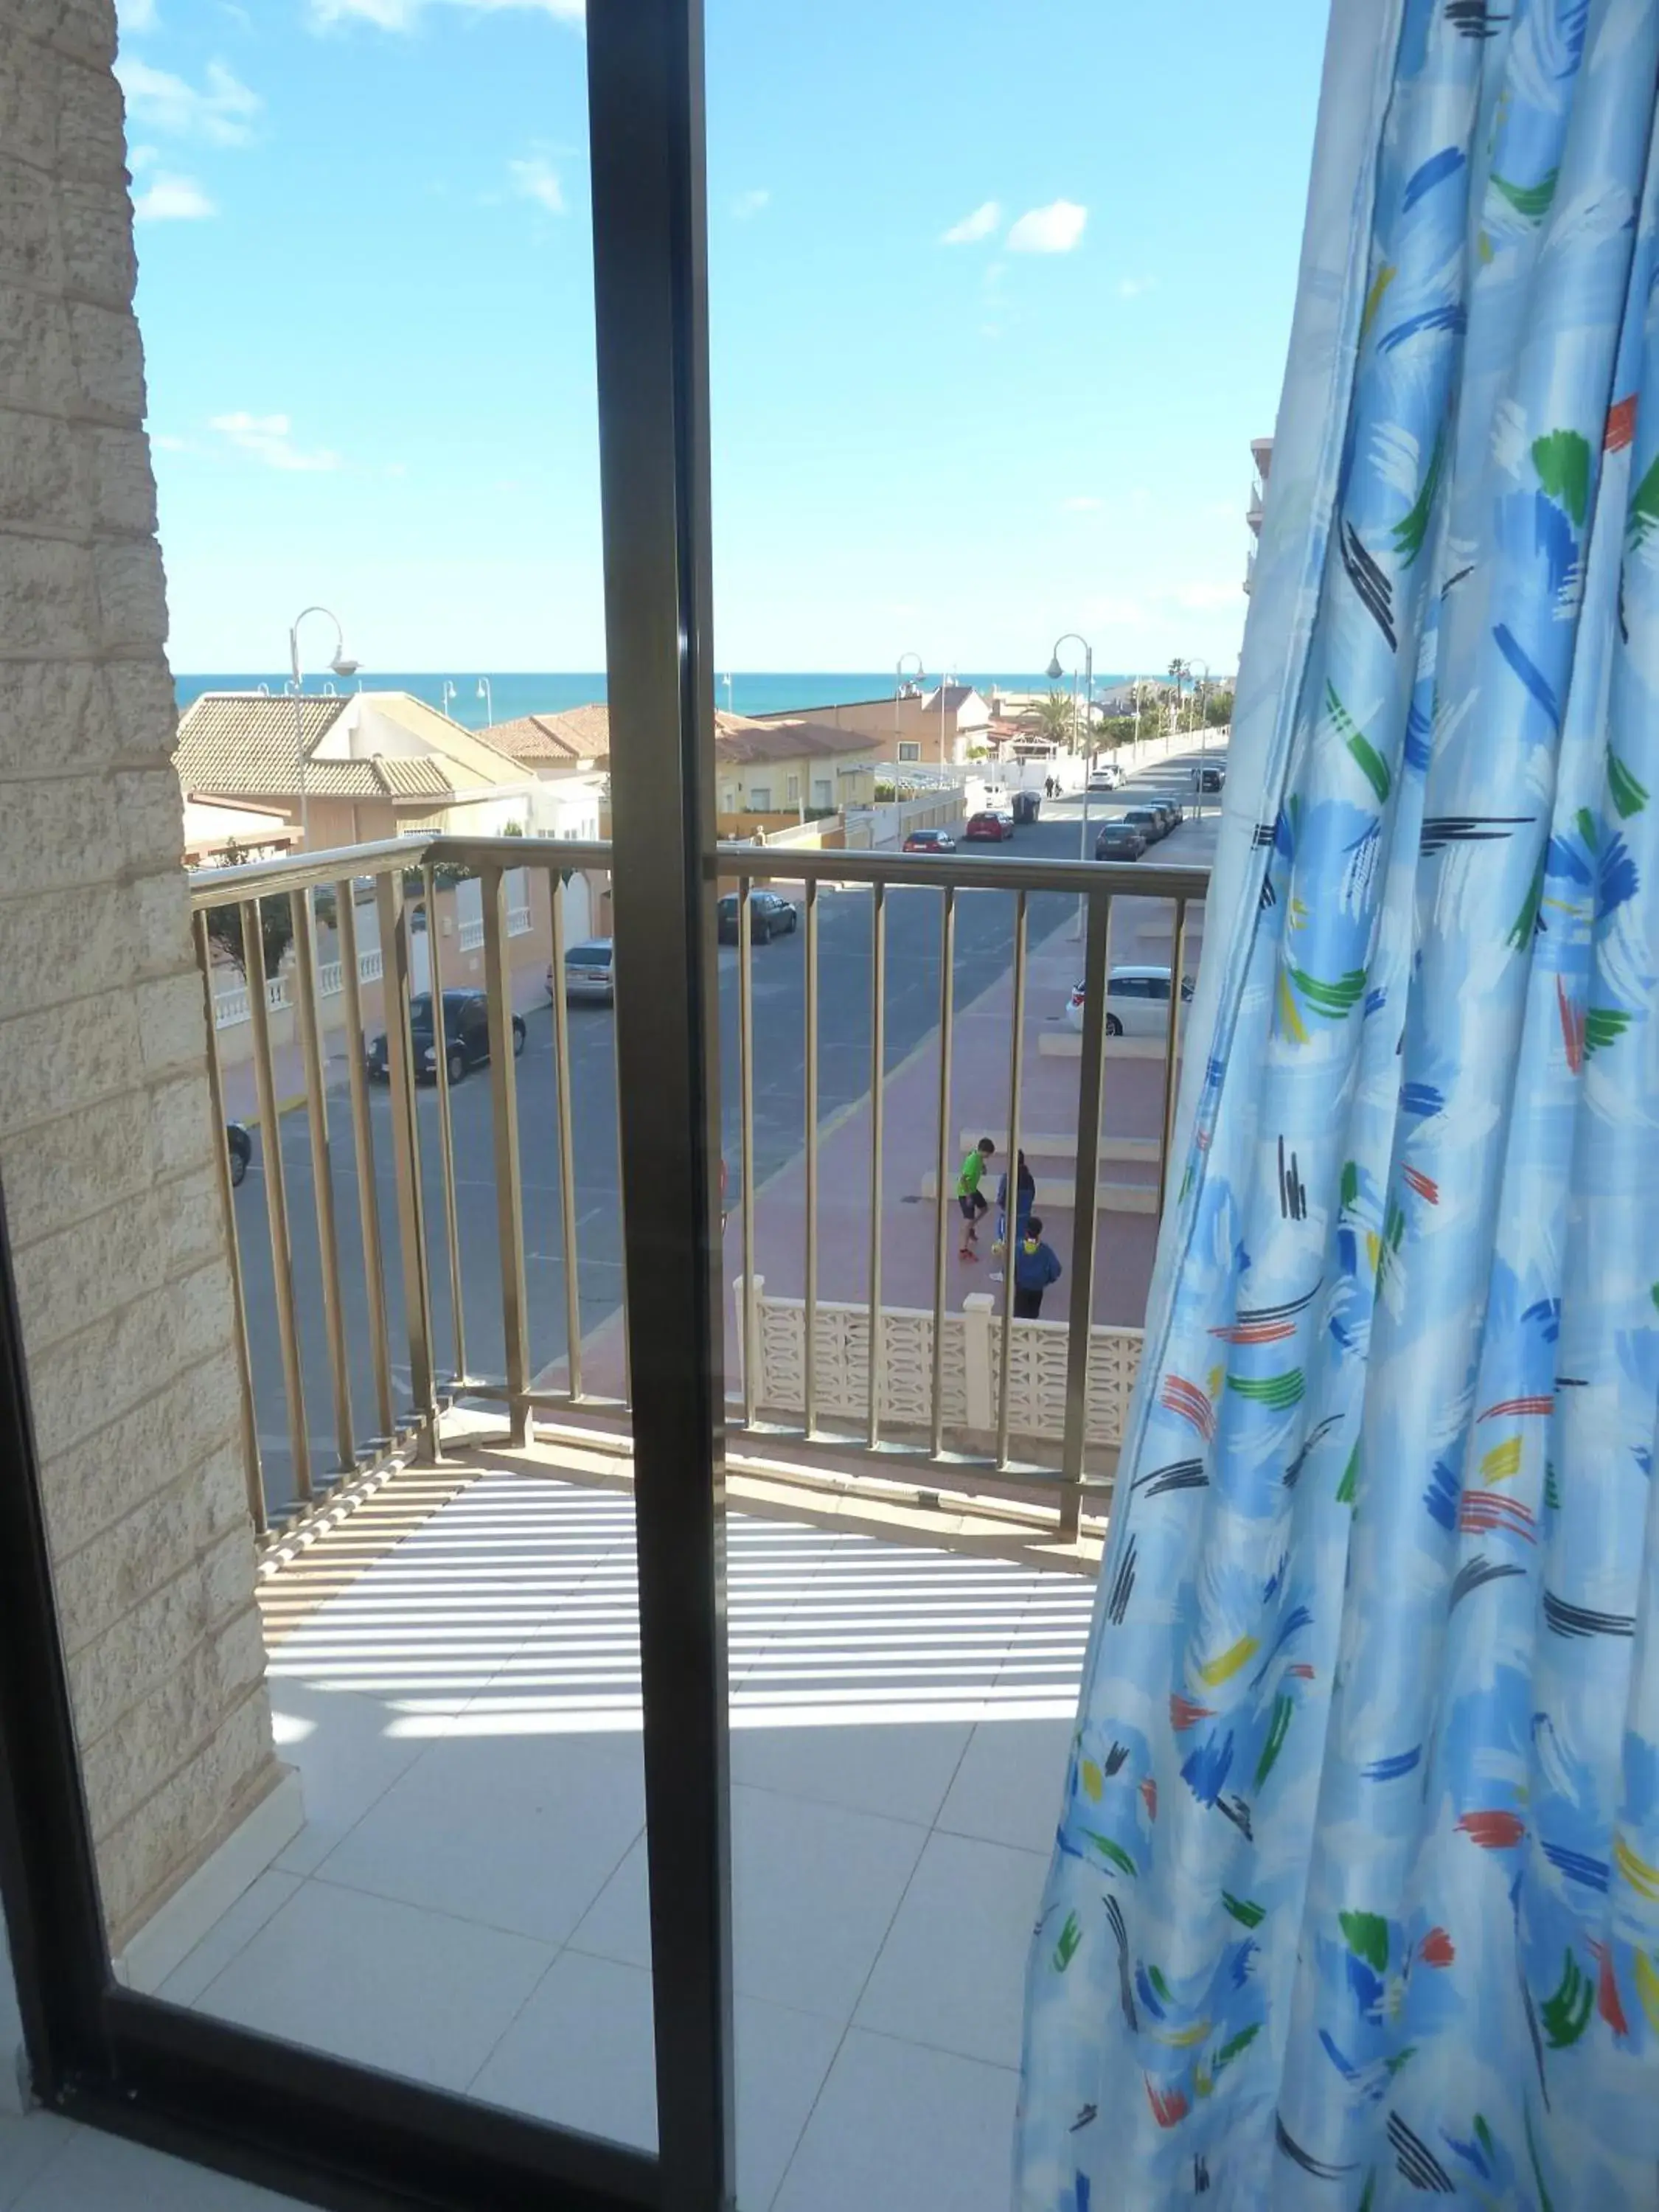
x=930, y=841
x=989, y=829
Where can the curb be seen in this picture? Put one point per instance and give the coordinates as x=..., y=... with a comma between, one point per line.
x=283, y=1106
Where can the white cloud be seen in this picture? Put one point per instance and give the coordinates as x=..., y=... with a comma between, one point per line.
x=1130, y=288
x=172, y=199
x=269, y=438
x=404, y=15
x=751, y=203
x=136, y=15
x=165, y=442
x=222, y=111
x=1084, y=503
x=972, y=228
x=1055, y=229
x=536, y=179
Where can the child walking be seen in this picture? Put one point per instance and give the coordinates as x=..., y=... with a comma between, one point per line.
x=972, y=1201
x=1026, y=1198
x=1035, y=1268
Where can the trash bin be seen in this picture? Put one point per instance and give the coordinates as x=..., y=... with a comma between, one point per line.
x=1027, y=806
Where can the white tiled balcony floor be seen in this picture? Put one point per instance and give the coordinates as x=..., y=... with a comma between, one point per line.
x=467, y=1903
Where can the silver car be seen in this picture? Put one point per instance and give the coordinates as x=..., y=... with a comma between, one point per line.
x=588, y=972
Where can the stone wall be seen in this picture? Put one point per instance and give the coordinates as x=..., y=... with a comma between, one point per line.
x=105, y=1145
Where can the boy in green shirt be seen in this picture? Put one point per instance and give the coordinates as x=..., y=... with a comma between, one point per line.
x=972, y=1201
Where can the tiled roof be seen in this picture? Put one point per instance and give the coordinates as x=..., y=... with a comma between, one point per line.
x=242, y=745
x=579, y=734
x=739, y=743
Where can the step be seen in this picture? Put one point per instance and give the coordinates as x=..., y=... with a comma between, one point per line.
x=1064, y=1148
x=1054, y=1195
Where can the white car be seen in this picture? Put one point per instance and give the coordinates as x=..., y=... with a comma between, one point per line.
x=1105, y=779
x=1137, y=1002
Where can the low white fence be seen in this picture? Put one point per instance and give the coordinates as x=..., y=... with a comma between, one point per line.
x=970, y=1367
x=231, y=1006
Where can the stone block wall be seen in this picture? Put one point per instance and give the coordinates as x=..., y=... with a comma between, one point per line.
x=106, y=1159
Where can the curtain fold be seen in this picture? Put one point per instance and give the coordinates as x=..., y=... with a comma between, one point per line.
x=1355, y=1894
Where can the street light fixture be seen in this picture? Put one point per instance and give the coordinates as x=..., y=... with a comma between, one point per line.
x=1055, y=671
x=341, y=665
x=446, y=697
x=488, y=698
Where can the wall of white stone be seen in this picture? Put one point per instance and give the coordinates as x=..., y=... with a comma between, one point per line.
x=105, y=1146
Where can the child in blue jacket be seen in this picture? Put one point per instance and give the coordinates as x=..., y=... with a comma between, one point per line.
x=1035, y=1268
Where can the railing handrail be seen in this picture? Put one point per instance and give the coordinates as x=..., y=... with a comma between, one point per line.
x=215, y=887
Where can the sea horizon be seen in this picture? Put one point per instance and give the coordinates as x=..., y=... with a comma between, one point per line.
x=551, y=691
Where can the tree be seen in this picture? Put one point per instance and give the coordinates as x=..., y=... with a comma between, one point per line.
x=224, y=923
x=1179, y=672
x=1219, y=709
x=1054, y=718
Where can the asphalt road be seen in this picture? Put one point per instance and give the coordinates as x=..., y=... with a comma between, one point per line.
x=983, y=949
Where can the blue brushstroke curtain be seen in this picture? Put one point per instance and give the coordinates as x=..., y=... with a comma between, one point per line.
x=1356, y=1891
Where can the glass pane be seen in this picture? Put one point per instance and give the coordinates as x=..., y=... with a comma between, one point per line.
x=373, y=1782
x=990, y=387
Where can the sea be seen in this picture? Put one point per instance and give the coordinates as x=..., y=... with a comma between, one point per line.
x=465, y=695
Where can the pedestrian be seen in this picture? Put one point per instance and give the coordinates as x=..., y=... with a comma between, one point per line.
x=1035, y=1268
x=1026, y=1198
x=972, y=1201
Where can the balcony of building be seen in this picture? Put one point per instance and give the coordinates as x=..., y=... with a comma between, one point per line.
x=449, y=1882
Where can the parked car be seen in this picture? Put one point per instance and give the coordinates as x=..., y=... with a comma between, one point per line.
x=1028, y=805
x=1137, y=1002
x=240, y=1145
x=1119, y=840
x=930, y=841
x=989, y=828
x=769, y=916
x=588, y=972
x=466, y=1036
x=1149, y=820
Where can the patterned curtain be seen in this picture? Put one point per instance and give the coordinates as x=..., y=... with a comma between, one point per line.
x=1356, y=1890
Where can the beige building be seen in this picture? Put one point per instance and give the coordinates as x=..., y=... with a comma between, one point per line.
x=795, y=768
x=568, y=743
x=347, y=771
x=936, y=727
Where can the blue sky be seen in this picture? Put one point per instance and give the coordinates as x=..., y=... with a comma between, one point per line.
x=1001, y=291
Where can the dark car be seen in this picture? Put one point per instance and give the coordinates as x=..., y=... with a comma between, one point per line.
x=930, y=841
x=1209, y=778
x=240, y=1145
x=989, y=828
x=466, y=1036
x=769, y=916
x=1028, y=805
x=1119, y=840
x=1149, y=820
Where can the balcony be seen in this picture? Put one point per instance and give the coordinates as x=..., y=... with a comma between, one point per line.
x=436, y=1417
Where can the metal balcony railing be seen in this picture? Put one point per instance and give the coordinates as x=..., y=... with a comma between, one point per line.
x=909, y=1430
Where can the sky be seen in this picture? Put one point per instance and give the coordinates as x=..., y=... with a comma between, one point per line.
x=999, y=293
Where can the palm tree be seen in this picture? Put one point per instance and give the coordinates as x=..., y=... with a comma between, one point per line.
x=1179, y=671
x=1054, y=718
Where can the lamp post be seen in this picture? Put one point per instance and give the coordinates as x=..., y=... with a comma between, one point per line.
x=1055, y=672
x=899, y=680
x=341, y=665
x=446, y=697
x=1199, y=690
x=488, y=698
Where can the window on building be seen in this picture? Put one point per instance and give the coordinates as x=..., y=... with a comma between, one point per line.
x=794, y=790
x=909, y=750
x=760, y=799
x=823, y=792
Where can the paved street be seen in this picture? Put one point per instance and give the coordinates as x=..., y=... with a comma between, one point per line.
x=984, y=939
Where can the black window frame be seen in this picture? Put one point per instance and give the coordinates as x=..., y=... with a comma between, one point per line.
x=318, y=2128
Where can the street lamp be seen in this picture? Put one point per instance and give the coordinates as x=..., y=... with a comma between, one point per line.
x=488, y=698
x=446, y=697
x=899, y=680
x=341, y=665
x=1055, y=673
x=1199, y=690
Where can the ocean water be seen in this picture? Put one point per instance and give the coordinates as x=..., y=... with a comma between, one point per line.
x=749, y=692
